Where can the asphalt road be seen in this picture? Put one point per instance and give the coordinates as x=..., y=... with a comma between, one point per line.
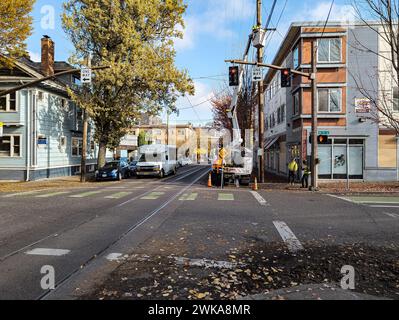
x=73, y=229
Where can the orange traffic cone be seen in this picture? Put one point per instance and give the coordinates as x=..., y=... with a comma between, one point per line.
x=210, y=181
x=255, y=185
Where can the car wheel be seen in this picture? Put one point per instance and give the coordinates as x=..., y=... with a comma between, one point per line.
x=174, y=171
x=162, y=174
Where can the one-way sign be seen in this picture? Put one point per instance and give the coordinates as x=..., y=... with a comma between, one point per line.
x=257, y=74
x=85, y=75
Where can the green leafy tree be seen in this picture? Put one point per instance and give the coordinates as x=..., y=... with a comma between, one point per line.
x=141, y=139
x=136, y=39
x=15, y=28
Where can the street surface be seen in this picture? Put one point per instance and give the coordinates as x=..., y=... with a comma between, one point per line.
x=177, y=239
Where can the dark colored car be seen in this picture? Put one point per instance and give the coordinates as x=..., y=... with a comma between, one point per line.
x=133, y=168
x=114, y=170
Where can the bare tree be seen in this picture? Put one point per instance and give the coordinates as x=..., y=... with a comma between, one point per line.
x=380, y=87
x=221, y=105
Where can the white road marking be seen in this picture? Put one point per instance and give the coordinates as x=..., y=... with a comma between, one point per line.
x=86, y=194
x=392, y=215
x=53, y=194
x=48, y=252
x=288, y=236
x=205, y=263
x=260, y=199
x=114, y=256
x=341, y=198
x=27, y=193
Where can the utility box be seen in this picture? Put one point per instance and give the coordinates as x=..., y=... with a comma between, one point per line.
x=259, y=37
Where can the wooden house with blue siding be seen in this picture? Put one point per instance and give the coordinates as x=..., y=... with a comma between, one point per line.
x=42, y=132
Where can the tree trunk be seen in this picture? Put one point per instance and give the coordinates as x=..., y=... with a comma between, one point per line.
x=101, y=154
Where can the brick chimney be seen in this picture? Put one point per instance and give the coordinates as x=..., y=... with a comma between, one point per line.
x=47, y=64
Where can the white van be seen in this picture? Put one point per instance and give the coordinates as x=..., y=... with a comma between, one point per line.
x=156, y=160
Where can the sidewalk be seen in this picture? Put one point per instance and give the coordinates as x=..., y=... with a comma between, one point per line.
x=313, y=292
x=55, y=183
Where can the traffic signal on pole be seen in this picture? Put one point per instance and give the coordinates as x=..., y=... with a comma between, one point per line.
x=285, y=78
x=322, y=139
x=234, y=76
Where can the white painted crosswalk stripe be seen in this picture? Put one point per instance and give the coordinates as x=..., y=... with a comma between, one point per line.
x=118, y=195
x=259, y=198
x=53, y=194
x=288, y=236
x=48, y=252
x=86, y=194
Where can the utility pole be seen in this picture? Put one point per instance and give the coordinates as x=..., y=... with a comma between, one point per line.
x=261, y=156
x=85, y=131
x=314, y=117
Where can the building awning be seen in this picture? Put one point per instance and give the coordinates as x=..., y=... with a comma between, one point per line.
x=271, y=142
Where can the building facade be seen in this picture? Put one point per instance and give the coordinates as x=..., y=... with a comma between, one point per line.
x=42, y=133
x=359, y=147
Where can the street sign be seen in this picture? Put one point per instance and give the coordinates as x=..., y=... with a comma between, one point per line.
x=222, y=153
x=85, y=75
x=1, y=128
x=324, y=133
x=257, y=74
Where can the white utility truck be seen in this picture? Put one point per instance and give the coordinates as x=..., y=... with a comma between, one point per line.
x=156, y=160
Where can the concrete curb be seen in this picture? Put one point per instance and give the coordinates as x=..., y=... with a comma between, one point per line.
x=312, y=292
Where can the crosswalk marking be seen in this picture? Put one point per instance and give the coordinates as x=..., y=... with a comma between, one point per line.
x=118, y=195
x=189, y=197
x=153, y=196
x=48, y=252
x=225, y=197
x=85, y=194
x=28, y=193
x=259, y=198
x=53, y=194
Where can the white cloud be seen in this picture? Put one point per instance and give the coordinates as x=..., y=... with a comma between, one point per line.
x=216, y=20
x=36, y=57
x=342, y=13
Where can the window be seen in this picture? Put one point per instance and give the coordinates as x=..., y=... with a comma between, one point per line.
x=181, y=132
x=296, y=104
x=9, y=102
x=395, y=100
x=329, y=100
x=296, y=58
x=10, y=146
x=329, y=50
x=92, y=146
x=77, y=146
x=279, y=115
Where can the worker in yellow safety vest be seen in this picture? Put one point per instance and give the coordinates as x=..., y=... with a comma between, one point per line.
x=305, y=174
x=292, y=171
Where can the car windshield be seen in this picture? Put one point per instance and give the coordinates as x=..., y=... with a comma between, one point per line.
x=111, y=165
x=155, y=157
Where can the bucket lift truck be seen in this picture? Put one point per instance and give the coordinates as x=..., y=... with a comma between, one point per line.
x=237, y=166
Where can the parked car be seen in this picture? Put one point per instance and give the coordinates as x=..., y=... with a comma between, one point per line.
x=133, y=168
x=114, y=170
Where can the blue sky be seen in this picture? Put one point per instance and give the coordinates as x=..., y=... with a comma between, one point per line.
x=215, y=30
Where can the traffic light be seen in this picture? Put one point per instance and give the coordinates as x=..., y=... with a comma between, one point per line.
x=322, y=139
x=285, y=78
x=234, y=76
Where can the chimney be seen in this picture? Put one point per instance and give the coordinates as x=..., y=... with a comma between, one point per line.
x=47, y=65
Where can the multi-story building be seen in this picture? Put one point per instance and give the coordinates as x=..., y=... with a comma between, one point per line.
x=42, y=134
x=359, y=146
x=179, y=135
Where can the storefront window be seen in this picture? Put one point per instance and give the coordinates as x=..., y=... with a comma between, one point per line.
x=334, y=159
